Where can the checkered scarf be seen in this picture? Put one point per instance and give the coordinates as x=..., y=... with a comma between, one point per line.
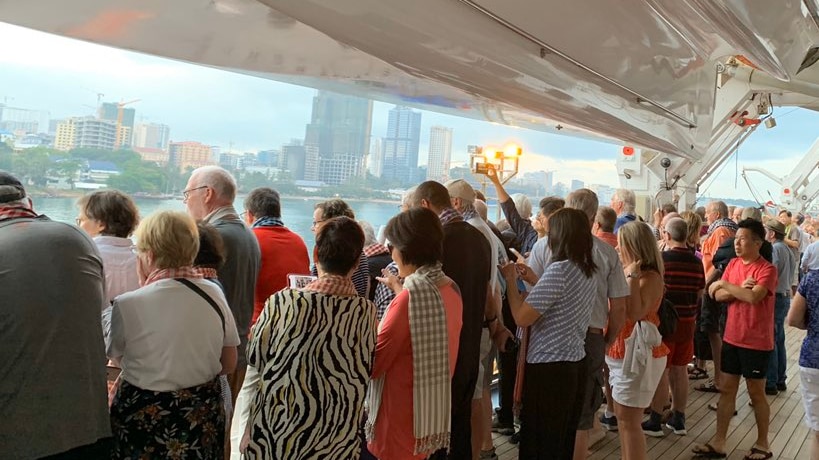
x=268, y=221
x=375, y=249
x=207, y=272
x=450, y=215
x=332, y=285
x=430, y=364
x=469, y=212
x=724, y=222
x=14, y=212
x=171, y=273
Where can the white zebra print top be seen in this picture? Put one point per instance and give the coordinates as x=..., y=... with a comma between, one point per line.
x=314, y=352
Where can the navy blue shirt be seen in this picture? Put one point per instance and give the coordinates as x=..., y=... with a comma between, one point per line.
x=809, y=289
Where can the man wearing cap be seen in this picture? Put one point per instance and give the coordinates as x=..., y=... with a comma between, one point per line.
x=52, y=357
x=785, y=265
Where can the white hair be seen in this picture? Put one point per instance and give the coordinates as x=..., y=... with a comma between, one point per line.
x=407, y=198
x=482, y=210
x=369, y=233
x=219, y=179
x=626, y=197
x=522, y=204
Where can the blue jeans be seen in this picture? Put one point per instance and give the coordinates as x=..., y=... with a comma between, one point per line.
x=778, y=360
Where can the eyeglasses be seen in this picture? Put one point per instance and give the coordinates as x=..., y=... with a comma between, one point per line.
x=187, y=193
x=316, y=222
x=390, y=247
x=78, y=220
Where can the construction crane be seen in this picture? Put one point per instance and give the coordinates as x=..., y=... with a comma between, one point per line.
x=120, y=110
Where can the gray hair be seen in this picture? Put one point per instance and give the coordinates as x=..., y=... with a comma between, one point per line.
x=626, y=197
x=369, y=233
x=721, y=208
x=677, y=229
x=584, y=200
x=408, y=197
x=220, y=180
x=482, y=210
x=522, y=204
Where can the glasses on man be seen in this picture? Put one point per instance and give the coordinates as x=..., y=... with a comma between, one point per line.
x=187, y=193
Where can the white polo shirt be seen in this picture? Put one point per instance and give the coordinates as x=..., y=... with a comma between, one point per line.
x=167, y=337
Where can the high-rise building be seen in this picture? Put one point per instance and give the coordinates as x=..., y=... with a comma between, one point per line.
x=190, y=154
x=292, y=160
x=377, y=157
x=22, y=121
x=577, y=185
x=440, y=153
x=152, y=136
x=268, y=158
x=111, y=111
x=549, y=182
x=401, y=145
x=336, y=142
x=85, y=132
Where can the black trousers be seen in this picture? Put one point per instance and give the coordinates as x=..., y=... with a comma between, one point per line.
x=508, y=363
x=100, y=450
x=552, y=401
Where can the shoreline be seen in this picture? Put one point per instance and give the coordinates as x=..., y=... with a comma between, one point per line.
x=40, y=193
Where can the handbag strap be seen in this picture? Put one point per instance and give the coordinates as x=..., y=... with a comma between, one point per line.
x=193, y=287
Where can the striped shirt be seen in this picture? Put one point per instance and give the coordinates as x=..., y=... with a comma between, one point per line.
x=684, y=278
x=563, y=296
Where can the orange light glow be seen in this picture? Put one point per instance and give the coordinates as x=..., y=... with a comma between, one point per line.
x=628, y=151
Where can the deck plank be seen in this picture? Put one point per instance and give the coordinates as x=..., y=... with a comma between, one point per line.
x=788, y=436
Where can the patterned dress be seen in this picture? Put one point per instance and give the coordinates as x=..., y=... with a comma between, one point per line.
x=314, y=352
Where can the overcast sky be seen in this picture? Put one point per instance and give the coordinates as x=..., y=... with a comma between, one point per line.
x=63, y=77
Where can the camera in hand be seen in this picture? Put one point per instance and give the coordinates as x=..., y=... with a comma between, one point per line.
x=483, y=168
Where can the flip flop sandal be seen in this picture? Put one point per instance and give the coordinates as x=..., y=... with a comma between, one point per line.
x=697, y=373
x=708, y=387
x=707, y=451
x=756, y=452
x=714, y=407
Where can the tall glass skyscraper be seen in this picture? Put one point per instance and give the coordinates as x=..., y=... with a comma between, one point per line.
x=401, y=145
x=337, y=140
x=440, y=153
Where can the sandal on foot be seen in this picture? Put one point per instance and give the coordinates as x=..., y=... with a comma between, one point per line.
x=707, y=451
x=714, y=407
x=697, y=373
x=758, y=454
x=708, y=387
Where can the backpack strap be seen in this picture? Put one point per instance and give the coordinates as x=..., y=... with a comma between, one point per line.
x=193, y=287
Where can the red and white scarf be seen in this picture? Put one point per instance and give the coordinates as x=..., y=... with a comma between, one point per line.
x=171, y=273
x=332, y=285
x=376, y=249
x=16, y=212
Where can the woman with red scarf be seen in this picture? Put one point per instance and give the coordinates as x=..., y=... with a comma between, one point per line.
x=172, y=338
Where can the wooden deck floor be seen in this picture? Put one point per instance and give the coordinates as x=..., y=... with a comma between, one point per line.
x=788, y=434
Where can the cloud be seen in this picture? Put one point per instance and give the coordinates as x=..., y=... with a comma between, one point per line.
x=47, y=72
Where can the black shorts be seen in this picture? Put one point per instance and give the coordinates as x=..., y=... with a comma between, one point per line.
x=751, y=364
x=709, y=318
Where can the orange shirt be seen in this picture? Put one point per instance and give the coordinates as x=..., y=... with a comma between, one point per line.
x=394, y=434
x=711, y=244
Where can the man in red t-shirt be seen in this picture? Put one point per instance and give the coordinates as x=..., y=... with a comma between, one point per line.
x=748, y=286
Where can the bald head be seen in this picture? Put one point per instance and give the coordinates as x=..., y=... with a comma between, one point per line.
x=217, y=178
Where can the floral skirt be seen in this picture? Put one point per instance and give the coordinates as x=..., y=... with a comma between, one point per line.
x=182, y=424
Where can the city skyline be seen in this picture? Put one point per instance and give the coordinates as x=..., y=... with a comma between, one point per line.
x=256, y=114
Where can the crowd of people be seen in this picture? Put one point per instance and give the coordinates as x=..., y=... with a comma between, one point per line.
x=218, y=338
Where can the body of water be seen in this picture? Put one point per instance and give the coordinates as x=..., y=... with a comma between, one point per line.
x=297, y=213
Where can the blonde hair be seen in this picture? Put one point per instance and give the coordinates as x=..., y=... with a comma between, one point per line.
x=637, y=240
x=694, y=223
x=170, y=236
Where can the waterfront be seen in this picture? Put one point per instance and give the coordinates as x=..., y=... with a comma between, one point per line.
x=297, y=213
